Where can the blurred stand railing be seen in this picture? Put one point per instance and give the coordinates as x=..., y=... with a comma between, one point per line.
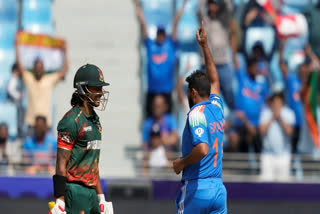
x=237, y=167
x=20, y=163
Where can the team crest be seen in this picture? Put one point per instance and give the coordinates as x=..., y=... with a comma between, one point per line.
x=101, y=76
x=99, y=127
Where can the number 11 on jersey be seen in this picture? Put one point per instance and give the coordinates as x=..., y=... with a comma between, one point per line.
x=215, y=146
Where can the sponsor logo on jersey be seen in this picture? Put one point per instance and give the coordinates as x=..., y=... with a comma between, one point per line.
x=88, y=129
x=95, y=144
x=199, y=131
x=66, y=138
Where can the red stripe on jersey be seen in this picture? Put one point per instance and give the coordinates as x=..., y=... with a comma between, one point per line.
x=64, y=145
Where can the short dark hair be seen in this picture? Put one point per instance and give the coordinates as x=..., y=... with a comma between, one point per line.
x=211, y=2
x=251, y=61
x=200, y=82
x=43, y=118
x=3, y=125
x=14, y=67
x=279, y=94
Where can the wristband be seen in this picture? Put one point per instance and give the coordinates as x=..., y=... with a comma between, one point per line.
x=101, y=197
x=59, y=185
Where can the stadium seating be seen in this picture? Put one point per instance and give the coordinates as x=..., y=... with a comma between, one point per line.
x=266, y=35
x=7, y=58
x=158, y=13
x=8, y=11
x=187, y=27
x=294, y=6
x=7, y=34
x=8, y=115
x=37, y=16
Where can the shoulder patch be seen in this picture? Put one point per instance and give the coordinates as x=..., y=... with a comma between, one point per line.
x=197, y=117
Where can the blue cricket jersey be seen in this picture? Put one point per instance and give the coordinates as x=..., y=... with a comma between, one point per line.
x=250, y=96
x=293, y=85
x=161, y=65
x=205, y=124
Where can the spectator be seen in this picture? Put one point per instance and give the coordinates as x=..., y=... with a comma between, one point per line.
x=276, y=128
x=40, y=148
x=161, y=60
x=15, y=85
x=39, y=88
x=160, y=135
x=253, y=15
x=258, y=52
x=15, y=92
x=3, y=140
x=293, y=89
x=250, y=98
x=221, y=30
x=156, y=155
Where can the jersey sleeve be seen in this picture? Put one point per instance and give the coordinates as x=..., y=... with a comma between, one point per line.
x=198, y=126
x=67, y=133
x=216, y=100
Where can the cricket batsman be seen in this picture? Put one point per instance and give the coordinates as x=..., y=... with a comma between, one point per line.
x=203, y=191
x=77, y=186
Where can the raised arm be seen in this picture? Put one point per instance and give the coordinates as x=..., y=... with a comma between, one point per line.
x=234, y=42
x=283, y=66
x=210, y=65
x=65, y=68
x=141, y=19
x=176, y=21
x=21, y=69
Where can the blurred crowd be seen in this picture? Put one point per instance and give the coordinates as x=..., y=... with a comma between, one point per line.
x=26, y=105
x=267, y=56
x=266, y=52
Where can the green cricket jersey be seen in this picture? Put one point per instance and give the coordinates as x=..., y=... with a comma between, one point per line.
x=81, y=133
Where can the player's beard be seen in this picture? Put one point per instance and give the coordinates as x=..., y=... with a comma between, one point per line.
x=190, y=101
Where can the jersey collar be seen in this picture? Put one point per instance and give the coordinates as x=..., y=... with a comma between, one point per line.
x=94, y=116
x=198, y=104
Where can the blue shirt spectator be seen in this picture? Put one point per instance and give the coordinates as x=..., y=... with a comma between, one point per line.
x=160, y=134
x=47, y=145
x=251, y=94
x=160, y=122
x=293, y=86
x=161, y=65
x=161, y=55
x=40, y=148
x=166, y=126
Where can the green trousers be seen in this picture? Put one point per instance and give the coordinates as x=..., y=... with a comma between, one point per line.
x=81, y=200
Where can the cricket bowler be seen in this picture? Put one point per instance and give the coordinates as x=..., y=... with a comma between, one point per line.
x=202, y=148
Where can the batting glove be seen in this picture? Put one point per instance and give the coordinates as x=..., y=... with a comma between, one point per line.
x=105, y=207
x=59, y=207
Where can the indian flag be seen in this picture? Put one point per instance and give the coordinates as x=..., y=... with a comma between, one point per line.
x=311, y=109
